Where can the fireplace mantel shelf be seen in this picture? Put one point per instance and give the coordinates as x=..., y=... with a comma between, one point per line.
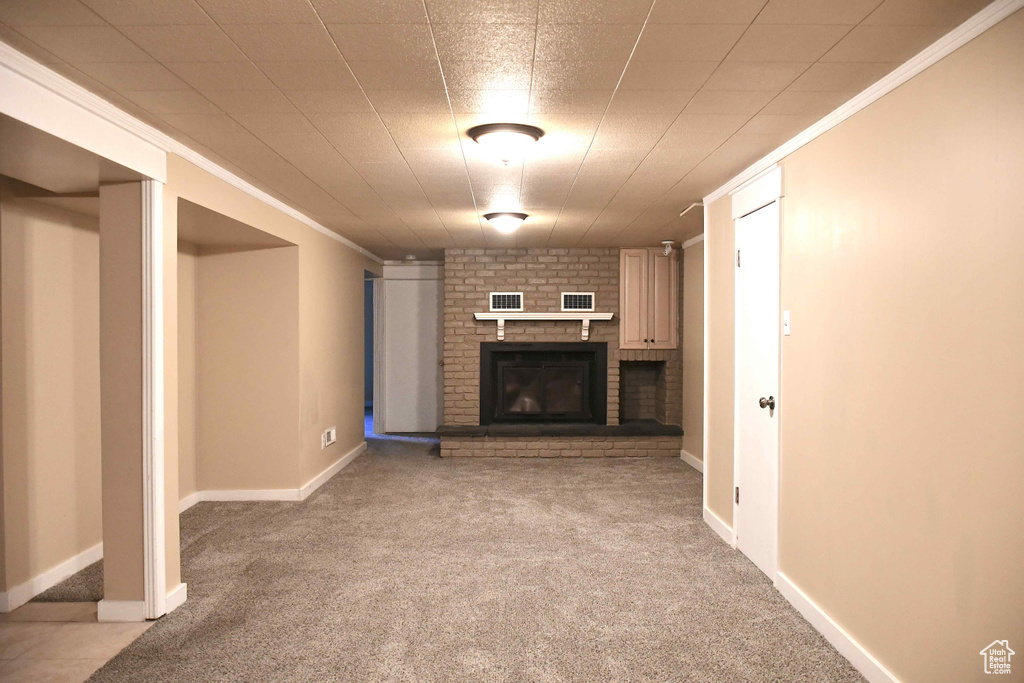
x=583, y=316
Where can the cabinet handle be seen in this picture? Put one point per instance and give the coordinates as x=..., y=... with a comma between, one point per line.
x=645, y=341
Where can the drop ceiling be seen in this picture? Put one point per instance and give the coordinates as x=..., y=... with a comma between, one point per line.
x=355, y=112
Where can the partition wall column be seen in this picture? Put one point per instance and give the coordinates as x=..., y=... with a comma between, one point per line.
x=132, y=400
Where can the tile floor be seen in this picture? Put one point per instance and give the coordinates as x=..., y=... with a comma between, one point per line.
x=59, y=641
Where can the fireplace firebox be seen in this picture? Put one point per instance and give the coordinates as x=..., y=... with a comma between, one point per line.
x=543, y=382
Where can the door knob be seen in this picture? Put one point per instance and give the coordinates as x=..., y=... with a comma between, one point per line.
x=767, y=402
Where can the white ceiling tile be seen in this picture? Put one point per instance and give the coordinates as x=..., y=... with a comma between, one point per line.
x=251, y=101
x=369, y=42
x=632, y=131
x=420, y=130
x=484, y=42
x=85, y=44
x=490, y=101
x=755, y=75
x=164, y=13
x=185, y=43
x=705, y=11
x=593, y=11
x=410, y=101
x=745, y=102
x=701, y=131
x=325, y=75
x=847, y=12
x=645, y=75
x=586, y=42
x=396, y=75
x=260, y=11
x=786, y=43
x=134, y=76
x=24, y=45
x=435, y=161
x=482, y=11
x=19, y=13
x=841, y=77
x=283, y=42
x=205, y=76
x=483, y=75
x=649, y=101
x=779, y=126
x=595, y=75
x=925, y=12
x=683, y=42
x=376, y=12
x=883, y=43
x=815, y=104
x=570, y=101
x=328, y=101
x=172, y=101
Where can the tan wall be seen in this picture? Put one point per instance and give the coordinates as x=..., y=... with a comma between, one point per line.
x=902, y=469
x=692, y=341
x=187, y=396
x=51, y=387
x=330, y=318
x=121, y=390
x=720, y=243
x=247, y=370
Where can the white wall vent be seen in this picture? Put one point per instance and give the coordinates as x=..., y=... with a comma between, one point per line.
x=577, y=301
x=506, y=301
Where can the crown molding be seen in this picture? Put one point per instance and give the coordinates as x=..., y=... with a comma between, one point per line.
x=42, y=75
x=944, y=46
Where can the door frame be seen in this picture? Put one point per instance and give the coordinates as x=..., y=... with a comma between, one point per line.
x=753, y=195
x=379, y=357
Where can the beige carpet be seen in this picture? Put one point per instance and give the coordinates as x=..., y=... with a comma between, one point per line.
x=409, y=567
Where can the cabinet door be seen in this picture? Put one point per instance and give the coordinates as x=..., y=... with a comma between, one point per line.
x=663, y=300
x=633, y=306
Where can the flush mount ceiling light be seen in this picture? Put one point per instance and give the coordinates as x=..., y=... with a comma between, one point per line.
x=505, y=221
x=507, y=141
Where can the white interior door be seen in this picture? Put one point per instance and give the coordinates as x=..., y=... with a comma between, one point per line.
x=412, y=350
x=755, y=511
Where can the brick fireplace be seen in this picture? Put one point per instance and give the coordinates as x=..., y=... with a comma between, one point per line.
x=651, y=396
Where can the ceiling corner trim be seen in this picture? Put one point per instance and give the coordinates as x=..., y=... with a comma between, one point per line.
x=692, y=241
x=22, y=65
x=961, y=35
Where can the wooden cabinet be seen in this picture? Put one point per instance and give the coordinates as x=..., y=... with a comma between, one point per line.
x=648, y=299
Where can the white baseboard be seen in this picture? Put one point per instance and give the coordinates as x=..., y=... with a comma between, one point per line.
x=842, y=641
x=121, y=610
x=229, y=495
x=321, y=479
x=720, y=527
x=189, y=500
x=19, y=595
x=692, y=460
x=177, y=597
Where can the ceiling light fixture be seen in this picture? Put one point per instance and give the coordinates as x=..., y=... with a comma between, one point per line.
x=505, y=221
x=507, y=141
